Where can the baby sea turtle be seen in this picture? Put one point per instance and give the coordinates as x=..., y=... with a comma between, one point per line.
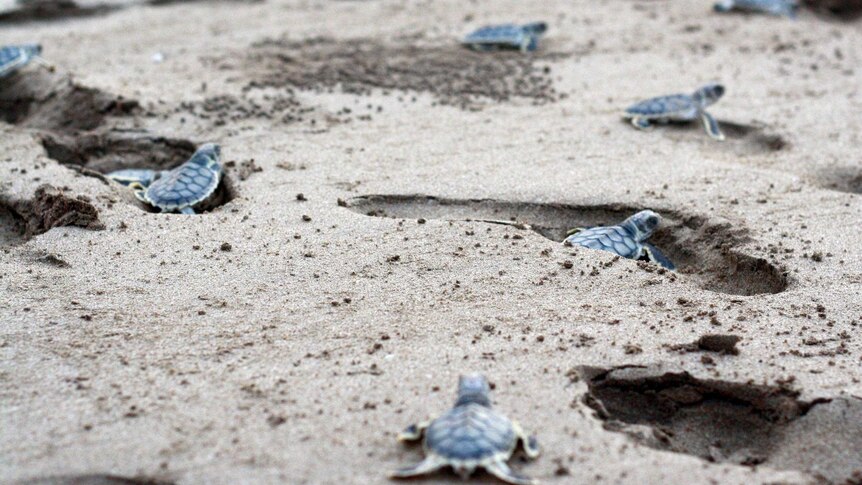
x=524, y=37
x=140, y=176
x=679, y=108
x=786, y=8
x=14, y=57
x=627, y=239
x=470, y=435
x=186, y=186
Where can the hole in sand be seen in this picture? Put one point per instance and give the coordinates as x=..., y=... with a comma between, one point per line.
x=701, y=250
x=740, y=139
x=453, y=74
x=724, y=421
x=843, y=179
x=45, y=10
x=843, y=9
x=80, y=127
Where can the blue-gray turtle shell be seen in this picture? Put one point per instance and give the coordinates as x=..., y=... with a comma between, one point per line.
x=664, y=106
x=497, y=34
x=14, y=57
x=615, y=239
x=471, y=432
x=185, y=186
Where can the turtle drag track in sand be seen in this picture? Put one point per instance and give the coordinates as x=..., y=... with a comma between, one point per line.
x=703, y=251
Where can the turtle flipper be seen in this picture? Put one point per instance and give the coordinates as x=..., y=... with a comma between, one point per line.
x=530, y=443
x=501, y=470
x=428, y=465
x=657, y=256
x=640, y=123
x=574, y=231
x=711, y=126
x=187, y=210
x=413, y=432
x=531, y=43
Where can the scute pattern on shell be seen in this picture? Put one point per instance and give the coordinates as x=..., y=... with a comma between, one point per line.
x=507, y=33
x=615, y=239
x=14, y=57
x=186, y=185
x=470, y=433
x=663, y=106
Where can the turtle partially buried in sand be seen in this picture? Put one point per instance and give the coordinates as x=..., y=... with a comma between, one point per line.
x=181, y=189
x=471, y=435
x=678, y=108
x=626, y=239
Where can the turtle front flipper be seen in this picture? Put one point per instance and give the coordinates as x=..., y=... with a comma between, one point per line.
x=574, y=231
x=640, y=123
x=413, y=432
x=430, y=464
x=187, y=210
x=711, y=126
x=140, y=192
x=530, y=443
x=501, y=470
x=657, y=256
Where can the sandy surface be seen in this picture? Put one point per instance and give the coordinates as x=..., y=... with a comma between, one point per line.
x=287, y=339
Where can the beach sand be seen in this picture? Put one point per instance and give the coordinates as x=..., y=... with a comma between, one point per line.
x=356, y=264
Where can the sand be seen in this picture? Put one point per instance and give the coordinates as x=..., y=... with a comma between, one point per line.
x=356, y=264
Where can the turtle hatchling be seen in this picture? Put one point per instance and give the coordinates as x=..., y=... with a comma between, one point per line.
x=471, y=435
x=785, y=8
x=14, y=57
x=523, y=37
x=627, y=239
x=186, y=186
x=679, y=108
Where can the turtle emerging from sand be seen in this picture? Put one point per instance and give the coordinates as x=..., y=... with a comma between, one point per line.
x=14, y=57
x=679, y=108
x=627, y=239
x=522, y=37
x=470, y=435
x=785, y=8
x=186, y=186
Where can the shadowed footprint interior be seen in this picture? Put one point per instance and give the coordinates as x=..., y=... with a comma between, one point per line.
x=703, y=251
x=733, y=422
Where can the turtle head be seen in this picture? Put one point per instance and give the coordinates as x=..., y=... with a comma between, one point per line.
x=708, y=94
x=644, y=223
x=33, y=49
x=535, y=28
x=210, y=150
x=723, y=6
x=473, y=389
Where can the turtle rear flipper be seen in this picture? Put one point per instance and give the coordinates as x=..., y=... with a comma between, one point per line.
x=641, y=123
x=430, y=464
x=187, y=210
x=653, y=254
x=529, y=443
x=501, y=470
x=711, y=126
x=413, y=432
